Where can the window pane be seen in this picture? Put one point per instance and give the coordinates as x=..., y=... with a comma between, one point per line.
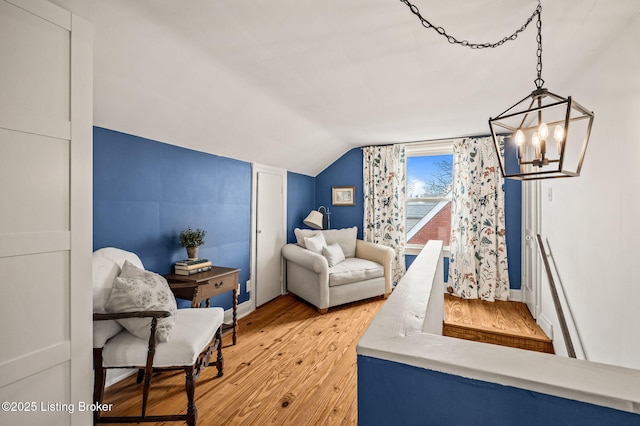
x=429, y=198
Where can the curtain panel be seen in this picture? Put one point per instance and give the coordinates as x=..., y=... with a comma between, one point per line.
x=478, y=260
x=384, y=200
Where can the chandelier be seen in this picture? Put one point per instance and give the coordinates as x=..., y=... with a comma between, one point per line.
x=546, y=134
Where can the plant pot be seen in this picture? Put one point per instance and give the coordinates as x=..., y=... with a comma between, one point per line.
x=192, y=252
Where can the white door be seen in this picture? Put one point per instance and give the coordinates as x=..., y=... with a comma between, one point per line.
x=45, y=214
x=270, y=233
x=530, y=259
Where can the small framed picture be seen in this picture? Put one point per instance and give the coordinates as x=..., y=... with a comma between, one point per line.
x=343, y=195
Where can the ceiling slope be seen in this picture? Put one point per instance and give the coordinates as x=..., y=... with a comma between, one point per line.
x=296, y=83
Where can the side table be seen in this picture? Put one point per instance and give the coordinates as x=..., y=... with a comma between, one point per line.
x=204, y=285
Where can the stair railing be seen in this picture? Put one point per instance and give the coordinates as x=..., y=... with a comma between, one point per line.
x=556, y=301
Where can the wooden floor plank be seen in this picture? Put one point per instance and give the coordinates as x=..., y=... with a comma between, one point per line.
x=504, y=323
x=291, y=366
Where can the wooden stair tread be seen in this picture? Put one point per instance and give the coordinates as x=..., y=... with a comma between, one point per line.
x=505, y=323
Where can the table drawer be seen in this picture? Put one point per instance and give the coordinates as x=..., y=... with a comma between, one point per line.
x=218, y=286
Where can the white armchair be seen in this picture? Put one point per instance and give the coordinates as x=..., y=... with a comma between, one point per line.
x=331, y=267
x=137, y=325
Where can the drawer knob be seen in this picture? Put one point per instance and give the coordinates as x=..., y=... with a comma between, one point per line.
x=219, y=284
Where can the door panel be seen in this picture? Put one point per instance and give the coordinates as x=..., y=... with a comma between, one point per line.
x=269, y=236
x=530, y=259
x=45, y=213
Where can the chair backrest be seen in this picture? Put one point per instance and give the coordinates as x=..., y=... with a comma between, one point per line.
x=107, y=264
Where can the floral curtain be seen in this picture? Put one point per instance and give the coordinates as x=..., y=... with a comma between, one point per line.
x=384, y=200
x=478, y=261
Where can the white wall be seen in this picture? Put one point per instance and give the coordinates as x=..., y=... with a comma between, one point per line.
x=593, y=221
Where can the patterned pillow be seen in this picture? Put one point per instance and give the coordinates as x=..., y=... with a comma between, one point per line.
x=139, y=290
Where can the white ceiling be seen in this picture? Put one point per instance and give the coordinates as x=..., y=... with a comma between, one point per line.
x=296, y=83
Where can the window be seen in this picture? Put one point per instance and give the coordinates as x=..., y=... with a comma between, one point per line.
x=428, y=202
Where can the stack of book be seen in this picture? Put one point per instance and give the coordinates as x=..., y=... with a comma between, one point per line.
x=192, y=266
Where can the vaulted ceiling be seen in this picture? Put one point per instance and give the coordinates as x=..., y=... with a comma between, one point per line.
x=296, y=83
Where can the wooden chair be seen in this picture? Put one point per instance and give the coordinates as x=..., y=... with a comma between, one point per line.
x=196, y=334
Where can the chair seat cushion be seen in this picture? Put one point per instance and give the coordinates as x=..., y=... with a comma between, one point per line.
x=352, y=270
x=192, y=332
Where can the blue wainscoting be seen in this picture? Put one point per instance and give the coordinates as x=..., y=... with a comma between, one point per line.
x=145, y=192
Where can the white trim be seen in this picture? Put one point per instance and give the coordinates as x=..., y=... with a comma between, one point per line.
x=515, y=295
x=34, y=362
x=426, y=148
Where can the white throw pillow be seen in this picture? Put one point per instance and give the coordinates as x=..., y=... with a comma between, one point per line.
x=315, y=243
x=333, y=253
x=139, y=290
x=346, y=237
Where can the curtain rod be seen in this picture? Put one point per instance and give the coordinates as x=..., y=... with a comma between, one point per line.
x=433, y=140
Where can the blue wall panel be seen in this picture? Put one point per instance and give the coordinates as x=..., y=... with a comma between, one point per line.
x=146, y=192
x=391, y=393
x=301, y=199
x=345, y=171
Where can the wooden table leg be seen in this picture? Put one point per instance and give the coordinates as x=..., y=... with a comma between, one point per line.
x=235, y=316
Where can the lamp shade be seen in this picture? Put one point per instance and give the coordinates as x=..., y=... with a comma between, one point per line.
x=314, y=220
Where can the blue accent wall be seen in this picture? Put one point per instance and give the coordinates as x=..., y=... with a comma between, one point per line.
x=145, y=192
x=301, y=199
x=345, y=171
x=513, y=225
x=391, y=393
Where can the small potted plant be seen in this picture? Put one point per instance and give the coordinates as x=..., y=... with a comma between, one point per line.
x=191, y=240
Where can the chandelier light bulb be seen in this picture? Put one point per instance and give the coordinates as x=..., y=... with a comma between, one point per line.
x=519, y=139
x=535, y=139
x=558, y=134
x=544, y=131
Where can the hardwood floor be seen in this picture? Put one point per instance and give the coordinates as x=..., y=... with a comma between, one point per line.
x=501, y=323
x=291, y=366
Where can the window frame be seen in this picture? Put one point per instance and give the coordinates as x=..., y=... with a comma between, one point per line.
x=424, y=149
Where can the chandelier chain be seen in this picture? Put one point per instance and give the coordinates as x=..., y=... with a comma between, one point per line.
x=453, y=40
x=539, y=81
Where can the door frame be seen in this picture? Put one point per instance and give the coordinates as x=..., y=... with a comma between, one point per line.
x=531, y=226
x=255, y=169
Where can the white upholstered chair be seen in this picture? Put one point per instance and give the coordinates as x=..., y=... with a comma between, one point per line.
x=157, y=337
x=331, y=267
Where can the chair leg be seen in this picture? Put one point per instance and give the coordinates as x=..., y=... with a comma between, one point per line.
x=219, y=359
x=99, y=378
x=190, y=385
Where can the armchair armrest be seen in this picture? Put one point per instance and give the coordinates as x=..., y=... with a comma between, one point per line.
x=305, y=258
x=375, y=252
x=135, y=314
x=380, y=254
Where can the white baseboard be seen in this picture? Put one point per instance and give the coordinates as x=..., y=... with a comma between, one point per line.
x=545, y=325
x=116, y=375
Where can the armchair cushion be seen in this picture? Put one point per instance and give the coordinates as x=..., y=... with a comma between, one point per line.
x=193, y=330
x=139, y=290
x=352, y=270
